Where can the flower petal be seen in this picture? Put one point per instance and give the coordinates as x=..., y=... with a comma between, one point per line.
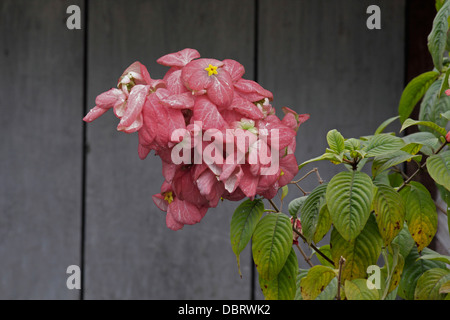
x=234, y=68
x=180, y=58
x=206, y=112
x=246, y=108
x=135, y=104
x=251, y=90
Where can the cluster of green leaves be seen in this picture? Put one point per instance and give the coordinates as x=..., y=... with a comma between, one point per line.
x=369, y=212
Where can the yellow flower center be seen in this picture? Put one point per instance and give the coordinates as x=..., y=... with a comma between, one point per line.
x=282, y=173
x=211, y=70
x=168, y=196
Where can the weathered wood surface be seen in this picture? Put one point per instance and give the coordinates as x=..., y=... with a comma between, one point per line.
x=317, y=57
x=40, y=149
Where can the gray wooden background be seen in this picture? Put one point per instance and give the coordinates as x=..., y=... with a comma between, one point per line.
x=62, y=203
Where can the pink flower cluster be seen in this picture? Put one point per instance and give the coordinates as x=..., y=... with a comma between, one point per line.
x=213, y=93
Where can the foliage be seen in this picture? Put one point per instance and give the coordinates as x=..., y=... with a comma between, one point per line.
x=367, y=216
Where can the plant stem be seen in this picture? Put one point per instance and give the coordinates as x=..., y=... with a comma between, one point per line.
x=313, y=247
x=302, y=236
x=420, y=168
x=341, y=265
x=304, y=256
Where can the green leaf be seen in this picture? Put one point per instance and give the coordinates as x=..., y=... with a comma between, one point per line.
x=445, y=288
x=439, y=4
x=413, y=92
x=385, y=123
x=432, y=108
x=301, y=274
x=358, y=253
x=412, y=148
x=326, y=156
x=410, y=122
x=349, y=197
x=243, y=223
x=436, y=257
x=357, y=290
x=389, y=212
x=314, y=219
x=316, y=281
x=429, y=284
x=438, y=167
x=446, y=115
x=296, y=205
x=271, y=245
x=352, y=144
x=325, y=249
x=395, y=179
x=404, y=241
x=283, y=287
x=284, y=192
x=423, y=138
x=383, y=143
x=413, y=269
x=384, y=162
x=395, y=263
x=438, y=37
x=421, y=215
x=335, y=141
x=330, y=291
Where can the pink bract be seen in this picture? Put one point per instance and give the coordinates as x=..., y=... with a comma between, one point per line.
x=209, y=99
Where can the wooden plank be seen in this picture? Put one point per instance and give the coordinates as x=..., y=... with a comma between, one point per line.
x=130, y=254
x=40, y=149
x=318, y=57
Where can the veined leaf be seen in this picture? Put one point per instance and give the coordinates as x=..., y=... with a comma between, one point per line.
x=330, y=291
x=283, y=287
x=357, y=290
x=410, y=122
x=446, y=115
x=313, y=218
x=296, y=205
x=300, y=275
x=243, y=223
x=436, y=257
x=438, y=167
x=335, y=141
x=359, y=253
x=349, y=197
x=395, y=263
x=383, y=143
x=438, y=37
x=404, y=240
x=413, y=269
x=271, y=245
x=316, y=281
x=389, y=212
x=384, y=162
x=429, y=284
x=423, y=138
x=445, y=288
x=413, y=92
x=421, y=215
x=431, y=108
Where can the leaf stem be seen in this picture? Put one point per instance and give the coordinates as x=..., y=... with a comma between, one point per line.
x=341, y=266
x=302, y=236
x=304, y=256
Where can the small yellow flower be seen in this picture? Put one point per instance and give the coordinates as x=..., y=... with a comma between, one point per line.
x=211, y=70
x=168, y=196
